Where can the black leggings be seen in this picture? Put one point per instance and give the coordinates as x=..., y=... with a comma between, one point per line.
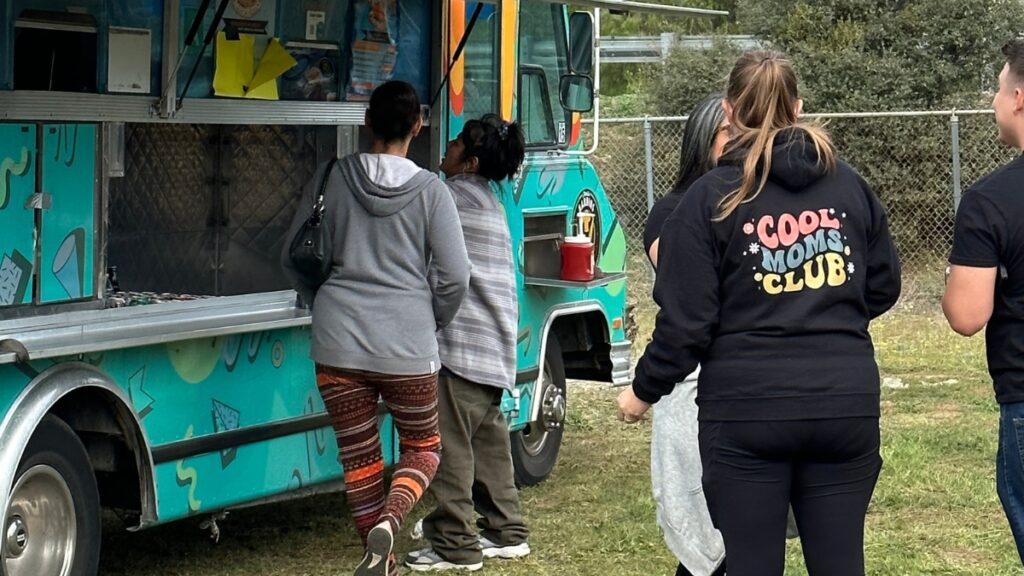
x=826, y=468
x=682, y=571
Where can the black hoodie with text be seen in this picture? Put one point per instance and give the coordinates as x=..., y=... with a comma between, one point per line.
x=774, y=301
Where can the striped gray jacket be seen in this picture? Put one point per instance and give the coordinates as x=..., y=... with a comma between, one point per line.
x=480, y=342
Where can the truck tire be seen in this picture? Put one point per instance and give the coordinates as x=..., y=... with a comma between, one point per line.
x=52, y=524
x=535, y=448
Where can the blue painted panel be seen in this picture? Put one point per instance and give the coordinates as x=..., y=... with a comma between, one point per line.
x=68, y=232
x=17, y=183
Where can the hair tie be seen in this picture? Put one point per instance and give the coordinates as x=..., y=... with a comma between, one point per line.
x=503, y=130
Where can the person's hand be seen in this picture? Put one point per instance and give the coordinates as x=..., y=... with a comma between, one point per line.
x=631, y=408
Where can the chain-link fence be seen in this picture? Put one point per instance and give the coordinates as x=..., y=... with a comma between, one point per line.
x=917, y=162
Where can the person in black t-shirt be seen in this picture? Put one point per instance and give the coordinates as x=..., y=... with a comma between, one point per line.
x=986, y=283
x=769, y=272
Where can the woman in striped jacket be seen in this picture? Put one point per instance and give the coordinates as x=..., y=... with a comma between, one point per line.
x=478, y=363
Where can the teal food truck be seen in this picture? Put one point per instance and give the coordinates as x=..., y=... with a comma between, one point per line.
x=152, y=153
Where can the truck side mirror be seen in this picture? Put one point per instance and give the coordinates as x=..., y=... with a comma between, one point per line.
x=576, y=93
x=581, y=43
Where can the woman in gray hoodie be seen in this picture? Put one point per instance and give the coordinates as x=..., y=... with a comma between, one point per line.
x=375, y=317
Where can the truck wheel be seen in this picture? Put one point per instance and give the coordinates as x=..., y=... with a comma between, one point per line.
x=53, y=525
x=535, y=448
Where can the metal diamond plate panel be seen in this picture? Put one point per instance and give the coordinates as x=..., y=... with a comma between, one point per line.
x=266, y=168
x=158, y=236
x=204, y=209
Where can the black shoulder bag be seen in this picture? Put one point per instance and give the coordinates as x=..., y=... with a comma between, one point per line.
x=310, y=250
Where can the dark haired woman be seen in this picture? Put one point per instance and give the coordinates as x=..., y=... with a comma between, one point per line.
x=478, y=363
x=400, y=271
x=682, y=511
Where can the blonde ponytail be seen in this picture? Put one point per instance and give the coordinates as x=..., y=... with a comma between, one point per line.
x=763, y=94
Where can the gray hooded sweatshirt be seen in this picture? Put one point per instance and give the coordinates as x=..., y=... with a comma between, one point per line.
x=377, y=311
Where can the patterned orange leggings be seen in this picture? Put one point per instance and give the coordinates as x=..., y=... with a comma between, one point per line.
x=351, y=400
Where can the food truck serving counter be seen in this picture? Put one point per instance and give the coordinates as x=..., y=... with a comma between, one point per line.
x=94, y=331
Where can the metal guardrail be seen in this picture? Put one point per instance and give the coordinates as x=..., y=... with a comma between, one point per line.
x=649, y=49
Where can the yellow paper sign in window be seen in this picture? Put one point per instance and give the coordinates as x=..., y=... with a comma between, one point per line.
x=236, y=74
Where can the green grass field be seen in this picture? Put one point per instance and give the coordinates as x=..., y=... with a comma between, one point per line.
x=935, y=510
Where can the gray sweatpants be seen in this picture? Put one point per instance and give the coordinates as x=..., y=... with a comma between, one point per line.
x=682, y=511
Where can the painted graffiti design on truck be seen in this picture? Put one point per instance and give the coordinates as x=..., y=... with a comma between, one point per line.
x=225, y=418
x=15, y=267
x=67, y=144
x=69, y=264
x=15, y=272
x=10, y=167
x=142, y=402
x=188, y=476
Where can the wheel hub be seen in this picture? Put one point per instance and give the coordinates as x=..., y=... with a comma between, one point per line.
x=553, y=408
x=40, y=506
x=17, y=536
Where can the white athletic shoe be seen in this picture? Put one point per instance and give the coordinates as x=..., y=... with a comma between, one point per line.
x=492, y=550
x=426, y=560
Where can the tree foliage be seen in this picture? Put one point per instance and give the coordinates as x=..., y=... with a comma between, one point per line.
x=862, y=55
x=870, y=56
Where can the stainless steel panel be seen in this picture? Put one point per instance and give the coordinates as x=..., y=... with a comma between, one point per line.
x=98, y=330
x=56, y=106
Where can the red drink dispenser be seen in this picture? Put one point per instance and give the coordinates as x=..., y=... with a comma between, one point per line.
x=578, y=259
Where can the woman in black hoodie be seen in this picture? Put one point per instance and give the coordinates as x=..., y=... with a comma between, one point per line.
x=769, y=272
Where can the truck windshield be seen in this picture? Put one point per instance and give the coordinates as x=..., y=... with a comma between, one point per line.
x=542, y=51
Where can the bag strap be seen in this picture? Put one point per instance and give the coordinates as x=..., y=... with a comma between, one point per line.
x=318, y=204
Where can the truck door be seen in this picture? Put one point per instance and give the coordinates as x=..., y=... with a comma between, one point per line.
x=67, y=227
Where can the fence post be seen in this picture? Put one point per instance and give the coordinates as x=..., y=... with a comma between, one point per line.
x=649, y=162
x=649, y=165
x=954, y=135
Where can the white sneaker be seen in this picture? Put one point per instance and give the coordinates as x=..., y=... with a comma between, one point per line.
x=492, y=550
x=426, y=560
